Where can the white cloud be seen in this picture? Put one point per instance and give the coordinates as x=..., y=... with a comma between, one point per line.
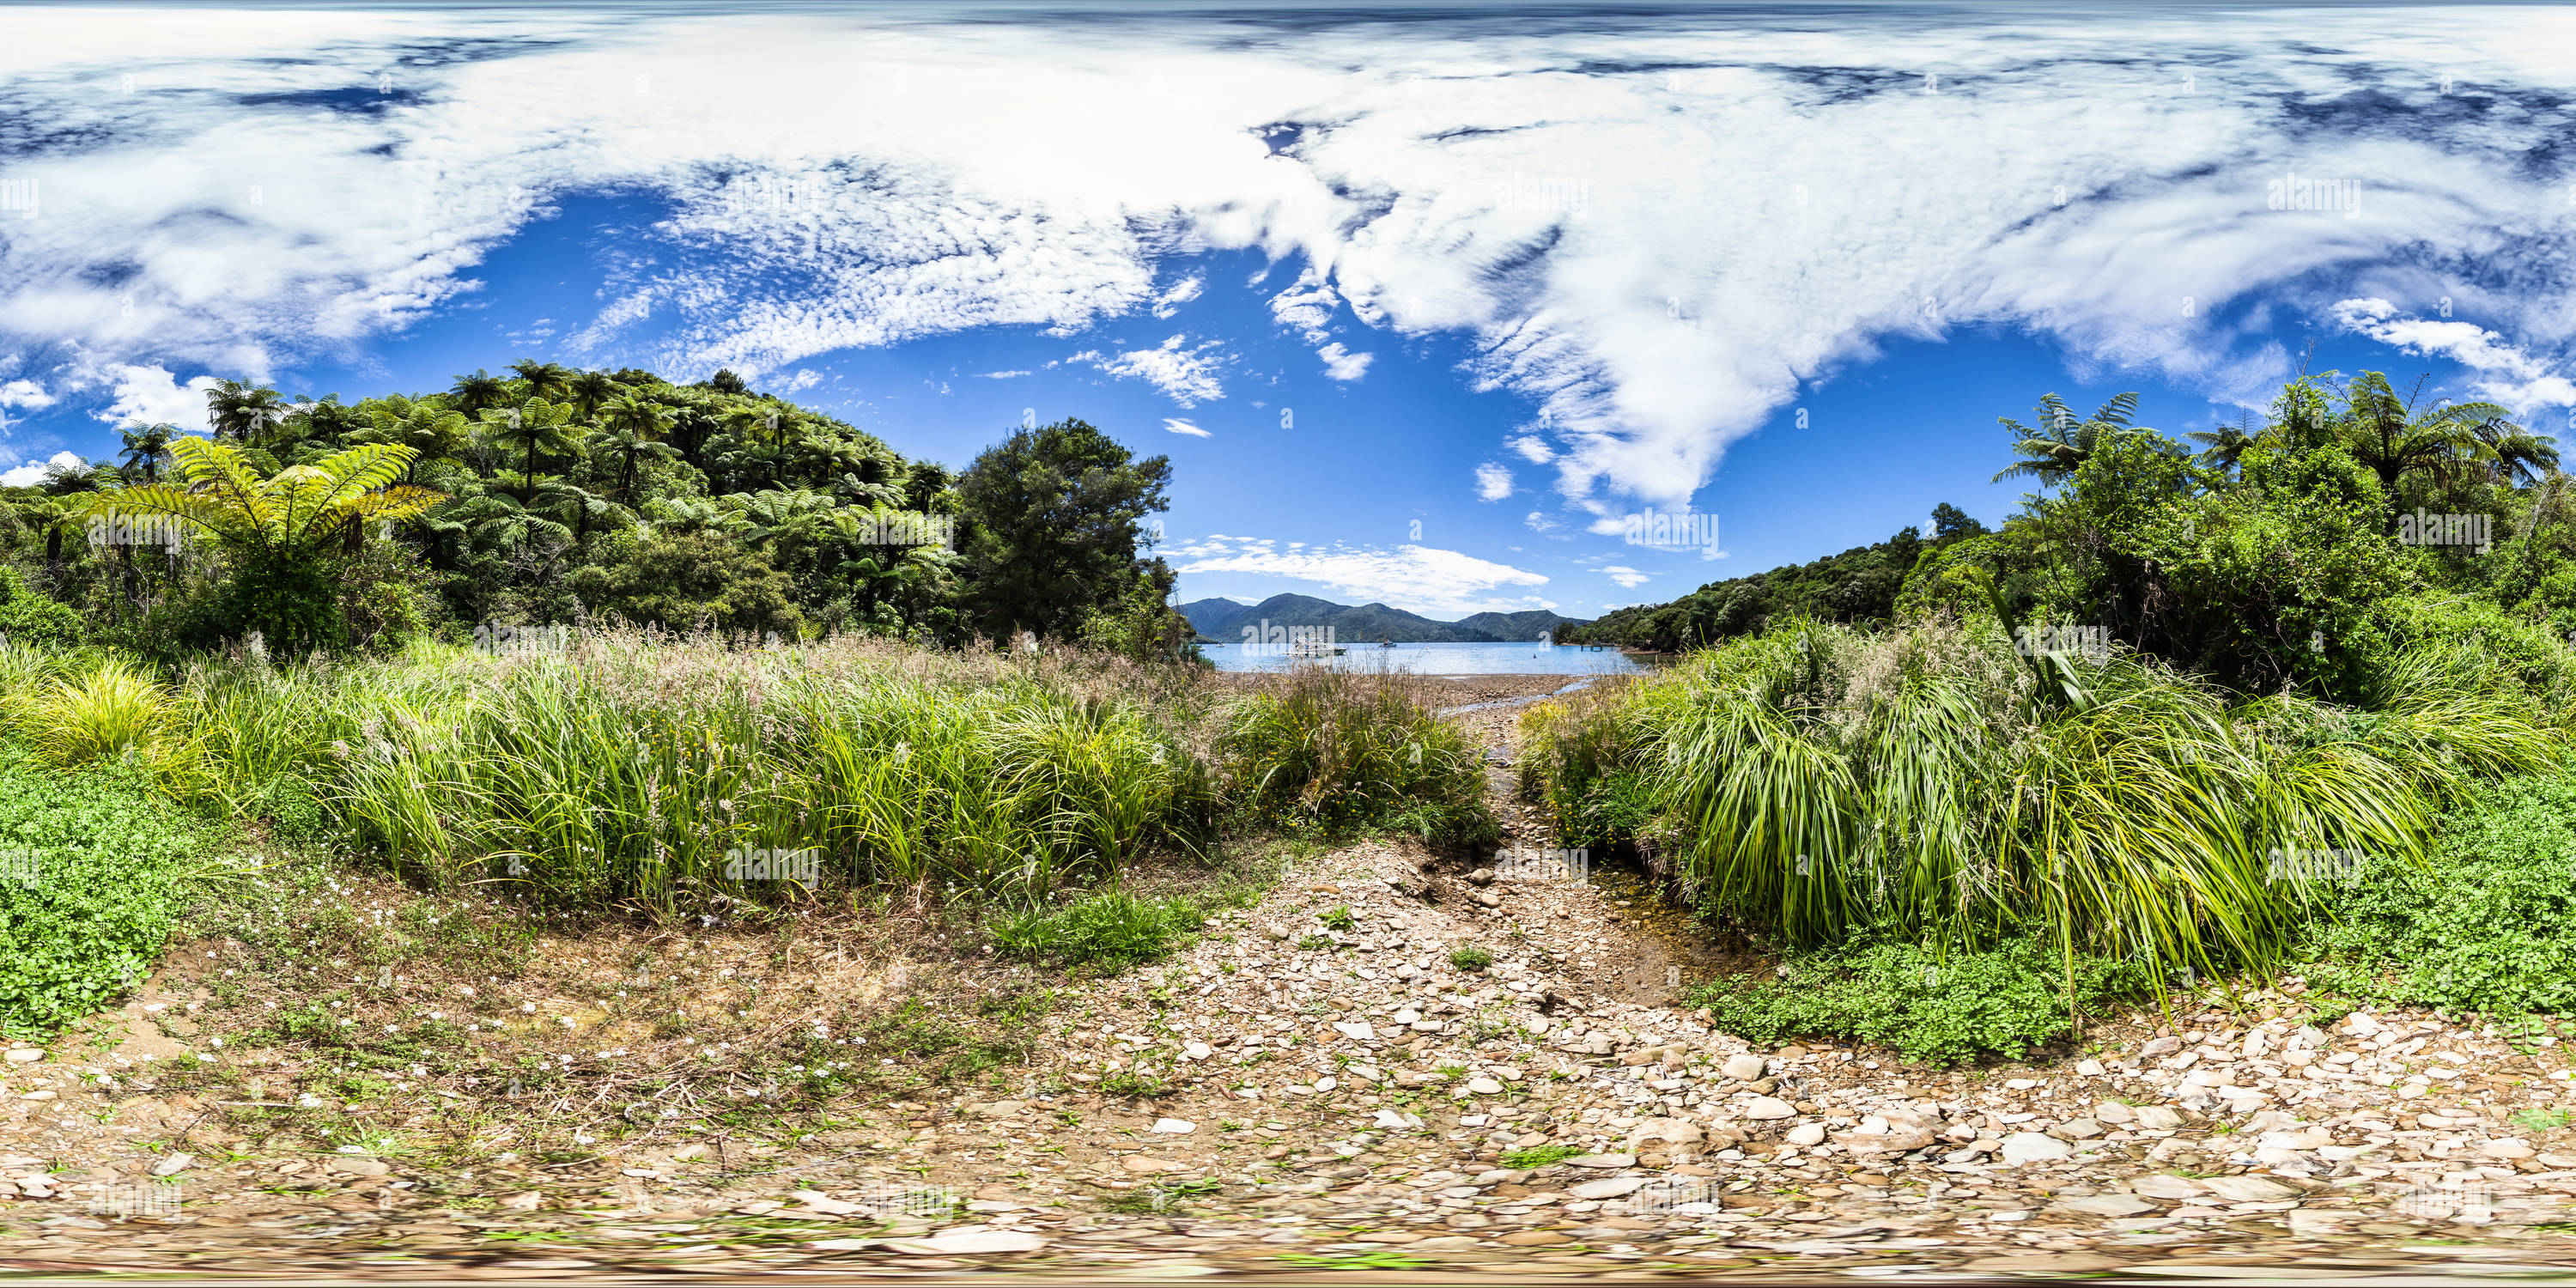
x=1342, y=364
x=1415, y=578
x=1538, y=521
x=1307, y=305
x=1628, y=578
x=1656, y=230
x=33, y=472
x=1179, y=426
x=1186, y=375
x=1001, y=375
x=1182, y=292
x=25, y=393
x=1532, y=448
x=2507, y=375
x=1493, y=482
x=153, y=396
x=802, y=378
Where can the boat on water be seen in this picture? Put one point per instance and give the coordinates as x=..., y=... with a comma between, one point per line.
x=1314, y=648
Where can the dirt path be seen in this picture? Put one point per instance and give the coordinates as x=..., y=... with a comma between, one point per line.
x=1333, y=1078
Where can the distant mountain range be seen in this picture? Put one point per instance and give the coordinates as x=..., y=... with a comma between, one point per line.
x=1224, y=620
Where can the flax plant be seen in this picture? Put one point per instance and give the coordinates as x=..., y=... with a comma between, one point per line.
x=1821, y=784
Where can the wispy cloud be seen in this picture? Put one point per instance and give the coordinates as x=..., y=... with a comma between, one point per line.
x=1179, y=426
x=1187, y=375
x=2506, y=374
x=1656, y=230
x=1628, y=578
x=1182, y=292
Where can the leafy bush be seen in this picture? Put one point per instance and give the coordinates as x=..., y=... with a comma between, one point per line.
x=1109, y=928
x=1470, y=958
x=106, y=862
x=27, y=617
x=1342, y=752
x=683, y=581
x=2488, y=923
x=1927, y=1006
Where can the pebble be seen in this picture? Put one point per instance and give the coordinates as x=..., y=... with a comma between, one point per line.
x=2032, y=1147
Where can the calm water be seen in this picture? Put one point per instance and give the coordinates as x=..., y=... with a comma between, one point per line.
x=1441, y=659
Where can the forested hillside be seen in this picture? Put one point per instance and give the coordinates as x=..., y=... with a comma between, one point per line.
x=1859, y=585
x=553, y=496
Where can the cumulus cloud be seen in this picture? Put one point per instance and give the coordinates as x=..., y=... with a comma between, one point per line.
x=2506, y=374
x=1532, y=448
x=153, y=396
x=1342, y=364
x=33, y=472
x=1415, y=578
x=1493, y=482
x=1180, y=426
x=1656, y=230
x=1628, y=578
x=1187, y=376
x=24, y=393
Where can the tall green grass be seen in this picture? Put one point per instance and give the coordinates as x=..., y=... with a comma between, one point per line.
x=1342, y=752
x=1821, y=784
x=628, y=771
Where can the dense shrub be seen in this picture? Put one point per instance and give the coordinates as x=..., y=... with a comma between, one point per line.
x=685, y=582
x=1927, y=1006
x=29, y=618
x=106, y=863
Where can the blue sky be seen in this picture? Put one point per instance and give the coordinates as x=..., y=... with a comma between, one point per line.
x=1420, y=310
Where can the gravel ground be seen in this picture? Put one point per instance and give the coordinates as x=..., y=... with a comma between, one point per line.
x=1331, y=1080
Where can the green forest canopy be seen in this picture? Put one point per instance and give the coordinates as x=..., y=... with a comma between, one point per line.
x=566, y=496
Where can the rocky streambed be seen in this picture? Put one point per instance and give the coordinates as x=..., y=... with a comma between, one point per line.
x=1395, y=1068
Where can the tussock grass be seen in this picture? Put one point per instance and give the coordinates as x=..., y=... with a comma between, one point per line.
x=1820, y=784
x=105, y=710
x=631, y=771
x=1343, y=752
